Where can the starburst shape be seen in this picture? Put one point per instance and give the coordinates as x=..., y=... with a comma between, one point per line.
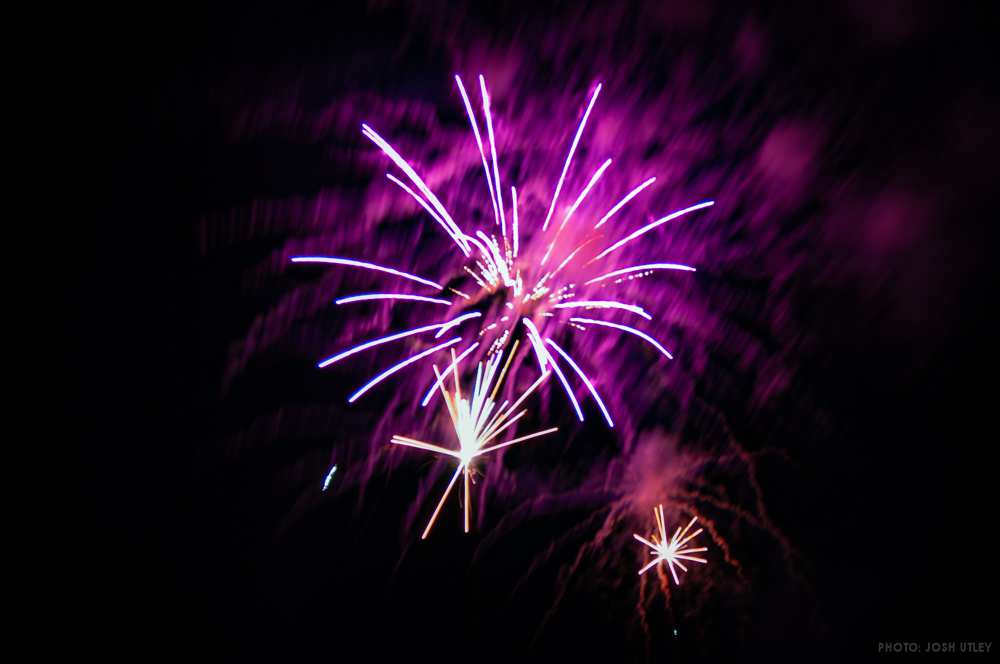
x=477, y=422
x=670, y=550
x=532, y=282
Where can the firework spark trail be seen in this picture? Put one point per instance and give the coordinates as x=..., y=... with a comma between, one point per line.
x=329, y=476
x=545, y=359
x=441, y=327
x=649, y=267
x=623, y=202
x=476, y=422
x=424, y=204
x=513, y=196
x=717, y=539
x=642, y=613
x=586, y=381
x=536, y=343
x=583, y=194
x=396, y=367
x=432, y=390
x=762, y=520
x=625, y=328
x=651, y=226
x=366, y=297
x=493, y=153
x=479, y=143
x=333, y=260
x=604, y=304
x=589, y=548
x=447, y=222
x=569, y=157
x=456, y=321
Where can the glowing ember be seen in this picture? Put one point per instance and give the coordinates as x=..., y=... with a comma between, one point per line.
x=329, y=476
x=670, y=550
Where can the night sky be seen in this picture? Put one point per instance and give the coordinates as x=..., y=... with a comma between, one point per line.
x=187, y=543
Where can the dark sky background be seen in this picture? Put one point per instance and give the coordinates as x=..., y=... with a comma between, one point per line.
x=178, y=548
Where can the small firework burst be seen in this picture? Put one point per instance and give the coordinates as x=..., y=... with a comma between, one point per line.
x=477, y=422
x=670, y=550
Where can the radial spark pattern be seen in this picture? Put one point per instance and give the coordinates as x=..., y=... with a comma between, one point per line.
x=477, y=422
x=669, y=550
x=538, y=285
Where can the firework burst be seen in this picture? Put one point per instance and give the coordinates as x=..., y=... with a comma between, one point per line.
x=669, y=550
x=477, y=421
x=532, y=290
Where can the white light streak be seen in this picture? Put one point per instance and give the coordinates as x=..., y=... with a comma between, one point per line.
x=479, y=143
x=329, y=476
x=604, y=304
x=390, y=296
x=586, y=381
x=431, y=391
x=620, y=204
x=546, y=359
x=640, y=268
x=630, y=330
x=396, y=367
x=428, y=208
x=333, y=260
x=649, y=227
x=456, y=232
x=457, y=321
x=393, y=337
x=493, y=152
x=569, y=157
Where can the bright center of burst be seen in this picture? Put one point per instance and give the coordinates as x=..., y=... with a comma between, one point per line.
x=465, y=458
x=501, y=308
x=468, y=442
